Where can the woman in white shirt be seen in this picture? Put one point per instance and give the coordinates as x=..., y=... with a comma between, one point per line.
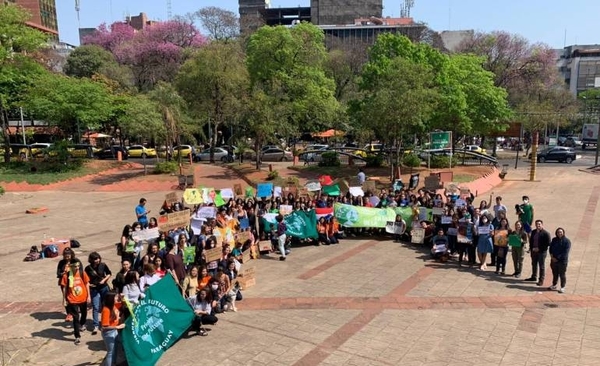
x=131, y=290
x=201, y=304
x=149, y=278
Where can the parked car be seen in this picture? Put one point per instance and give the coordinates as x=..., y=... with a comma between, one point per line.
x=276, y=154
x=557, y=153
x=164, y=152
x=139, y=151
x=474, y=148
x=39, y=148
x=220, y=154
x=83, y=151
x=572, y=142
x=112, y=153
x=313, y=154
x=184, y=150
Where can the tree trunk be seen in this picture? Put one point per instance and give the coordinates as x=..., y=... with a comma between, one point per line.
x=257, y=149
x=5, y=134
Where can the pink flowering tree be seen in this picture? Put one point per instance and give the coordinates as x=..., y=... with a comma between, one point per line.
x=154, y=54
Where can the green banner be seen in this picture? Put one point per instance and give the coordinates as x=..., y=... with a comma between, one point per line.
x=332, y=190
x=407, y=215
x=156, y=323
x=302, y=224
x=358, y=216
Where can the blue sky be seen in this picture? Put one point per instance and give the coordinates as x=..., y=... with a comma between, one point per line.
x=537, y=20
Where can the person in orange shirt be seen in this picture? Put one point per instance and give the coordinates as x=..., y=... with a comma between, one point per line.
x=76, y=294
x=322, y=230
x=332, y=229
x=111, y=324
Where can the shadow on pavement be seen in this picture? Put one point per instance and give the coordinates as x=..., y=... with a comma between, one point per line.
x=55, y=333
x=96, y=345
x=54, y=315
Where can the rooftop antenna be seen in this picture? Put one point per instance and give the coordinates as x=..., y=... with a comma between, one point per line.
x=405, y=8
x=169, y=10
x=77, y=8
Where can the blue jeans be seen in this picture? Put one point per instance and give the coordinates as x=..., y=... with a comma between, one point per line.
x=111, y=338
x=97, y=297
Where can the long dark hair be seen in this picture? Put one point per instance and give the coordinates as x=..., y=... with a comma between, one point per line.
x=126, y=231
x=130, y=277
x=109, y=302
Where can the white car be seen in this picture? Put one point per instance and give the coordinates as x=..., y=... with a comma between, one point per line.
x=220, y=155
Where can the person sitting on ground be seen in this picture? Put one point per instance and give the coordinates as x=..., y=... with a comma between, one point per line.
x=203, y=311
x=439, y=251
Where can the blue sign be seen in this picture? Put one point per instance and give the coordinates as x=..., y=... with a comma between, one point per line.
x=264, y=190
x=244, y=224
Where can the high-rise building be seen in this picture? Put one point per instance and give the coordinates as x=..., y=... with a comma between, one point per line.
x=43, y=15
x=579, y=66
x=338, y=12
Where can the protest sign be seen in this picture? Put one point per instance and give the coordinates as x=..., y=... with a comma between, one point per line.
x=357, y=192
x=264, y=246
x=432, y=183
x=437, y=211
x=483, y=230
x=237, y=189
x=249, y=192
x=246, y=255
x=192, y=196
x=189, y=255
x=219, y=201
x=358, y=216
x=369, y=186
x=277, y=192
x=174, y=220
x=156, y=323
x=446, y=220
x=393, y=227
x=332, y=190
x=465, y=192
x=212, y=255
x=171, y=198
x=501, y=238
x=465, y=232
x=264, y=190
x=207, y=212
x=374, y=200
x=146, y=234
x=413, y=183
x=196, y=226
x=423, y=214
x=243, y=236
x=461, y=203
x=417, y=235
x=286, y=209
x=208, y=195
x=313, y=186
x=452, y=231
x=244, y=223
x=514, y=240
x=227, y=193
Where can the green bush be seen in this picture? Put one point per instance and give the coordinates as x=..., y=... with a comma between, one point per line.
x=1, y=190
x=440, y=161
x=166, y=167
x=273, y=175
x=293, y=180
x=411, y=160
x=374, y=161
x=330, y=158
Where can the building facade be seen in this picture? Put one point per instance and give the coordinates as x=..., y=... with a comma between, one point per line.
x=579, y=66
x=336, y=12
x=43, y=15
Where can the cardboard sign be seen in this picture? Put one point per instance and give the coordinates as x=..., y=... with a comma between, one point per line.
x=460, y=203
x=501, y=238
x=171, y=198
x=417, y=236
x=483, y=230
x=285, y=209
x=212, y=255
x=245, y=283
x=248, y=272
x=237, y=189
x=313, y=186
x=393, y=227
x=264, y=246
x=277, y=192
x=207, y=212
x=357, y=192
x=227, y=193
x=192, y=196
x=174, y=220
x=243, y=236
x=145, y=235
x=369, y=186
x=432, y=182
x=246, y=255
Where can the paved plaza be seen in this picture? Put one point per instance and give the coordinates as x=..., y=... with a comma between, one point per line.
x=362, y=302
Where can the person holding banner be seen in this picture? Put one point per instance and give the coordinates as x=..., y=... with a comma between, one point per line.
x=485, y=230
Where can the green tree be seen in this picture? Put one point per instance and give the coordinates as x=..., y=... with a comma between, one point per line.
x=214, y=82
x=16, y=41
x=141, y=118
x=71, y=104
x=287, y=64
x=87, y=60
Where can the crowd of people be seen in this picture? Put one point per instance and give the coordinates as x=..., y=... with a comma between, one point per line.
x=457, y=230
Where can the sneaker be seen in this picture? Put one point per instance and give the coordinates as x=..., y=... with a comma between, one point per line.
x=540, y=283
x=69, y=318
x=82, y=328
x=496, y=272
x=95, y=331
x=552, y=288
x=562, y=290
x=517, y=275
x=530, y=279
x=503, y=273
x=282, y=258
x=77, y=341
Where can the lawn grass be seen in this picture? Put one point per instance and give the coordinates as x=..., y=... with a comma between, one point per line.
x=45, y=173
x=463, y=178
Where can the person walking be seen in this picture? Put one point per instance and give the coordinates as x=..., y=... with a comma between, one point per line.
x=111, y=324
x=99, y=274
x=539, y=241
x=61, y=269
x=281, y=236
x=560, y=246
x=517, y=240
x=76, y=294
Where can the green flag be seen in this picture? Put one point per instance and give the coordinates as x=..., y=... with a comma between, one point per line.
x=358, y=216
x=189, y=254
x=156, y=323
x=332, y=190
x=302, y=224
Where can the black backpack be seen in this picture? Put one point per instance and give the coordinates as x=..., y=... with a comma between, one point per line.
x=33, y=255
x=75, y=243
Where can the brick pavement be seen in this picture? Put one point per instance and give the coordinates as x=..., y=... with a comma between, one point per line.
x=364, y=302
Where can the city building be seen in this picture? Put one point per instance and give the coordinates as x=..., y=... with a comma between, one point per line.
x=366, y=30
x=43, y=15
x=335, y=12
x=139, y=22
x=579, y=66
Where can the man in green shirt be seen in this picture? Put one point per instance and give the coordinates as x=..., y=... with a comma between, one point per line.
x=526, y=214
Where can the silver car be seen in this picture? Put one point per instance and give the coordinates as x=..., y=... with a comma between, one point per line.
x=220, y=154
x=276, y=154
